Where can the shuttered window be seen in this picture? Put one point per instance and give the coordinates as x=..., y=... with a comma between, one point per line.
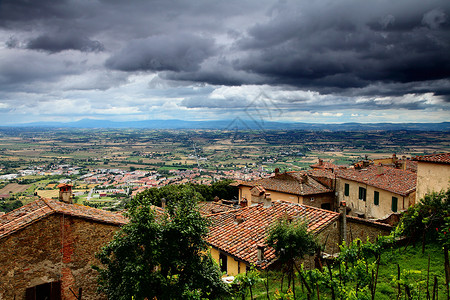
x=362, y=194
x=376, y=198
x=394, y=204
x=50, y=291
x=223, y=262
x=347, y=189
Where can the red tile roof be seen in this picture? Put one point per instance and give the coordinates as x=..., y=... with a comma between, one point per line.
x=442, y=158
x=291, y=183
x=325, y=165
x=241, y=239
x=208, y=207
x=39, y=209
x=410, y=165
x=393, y=180
x=321, y=173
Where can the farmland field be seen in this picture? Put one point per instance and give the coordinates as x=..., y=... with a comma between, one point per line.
x=208, y=149
x=48, y=193
x=14, y=188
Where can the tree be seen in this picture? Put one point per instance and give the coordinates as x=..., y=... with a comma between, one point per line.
x=291, y=241
x=163, y=256
x=172, y=193
x=420, y=220
x=246, y=281
x=430, y=218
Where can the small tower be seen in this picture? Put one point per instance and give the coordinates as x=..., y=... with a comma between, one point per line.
x=65, y=193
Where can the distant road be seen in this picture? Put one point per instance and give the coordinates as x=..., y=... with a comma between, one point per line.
x=89, y=196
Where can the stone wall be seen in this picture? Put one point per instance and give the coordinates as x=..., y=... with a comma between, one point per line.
x=361, y=229
x=56, y=248
x=330, y=238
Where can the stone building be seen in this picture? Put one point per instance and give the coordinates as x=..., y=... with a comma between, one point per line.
x=47, y=248
x=433, y=173
x=296, y=187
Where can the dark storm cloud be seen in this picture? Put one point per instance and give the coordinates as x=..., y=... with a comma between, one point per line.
x=177, y=52
x=27, y=68
x=58, y=43
x=340, y=51
x=334, y=49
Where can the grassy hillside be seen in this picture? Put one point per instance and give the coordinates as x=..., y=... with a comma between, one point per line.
x=410, y=259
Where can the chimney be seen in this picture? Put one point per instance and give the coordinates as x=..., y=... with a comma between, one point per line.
x=277, y=171
x=365, y=163
x=320, y=162
x=260, y=252
x=65, y=193
x=163, y=203
x=380, y=169
x=267, y=200
x=394, y=158
x=343, y=217
x=304, y=178
x=243, y=202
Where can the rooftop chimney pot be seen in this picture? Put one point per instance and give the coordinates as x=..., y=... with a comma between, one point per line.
x=65, y=193
x=267, y=200
x=380, y=170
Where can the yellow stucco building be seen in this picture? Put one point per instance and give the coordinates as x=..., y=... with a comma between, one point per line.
x=237, y=237
x=433, y=173
x=375, y=192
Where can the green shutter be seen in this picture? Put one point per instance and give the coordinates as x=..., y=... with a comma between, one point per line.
x=347, y=189
x=394, y=204
x=376, y=198
x=362, y=194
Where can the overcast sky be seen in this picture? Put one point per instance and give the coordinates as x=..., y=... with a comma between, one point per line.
x=327, y=61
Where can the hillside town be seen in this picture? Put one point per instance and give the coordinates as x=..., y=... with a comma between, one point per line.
x=50, y=243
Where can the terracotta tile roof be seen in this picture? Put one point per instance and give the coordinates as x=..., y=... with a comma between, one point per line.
x=39, y=209
x=372, y=222
x=410, y=165
x=64, y=185
x=325, y=165
x=291, y=183
x=241, y=239
x=393, y=180
x=321, y=173
x=442, y=158
x=209, y=207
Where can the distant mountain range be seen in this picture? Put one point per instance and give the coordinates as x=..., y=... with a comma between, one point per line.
x=239, y=124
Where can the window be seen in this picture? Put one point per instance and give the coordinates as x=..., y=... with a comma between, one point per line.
x=312, y=199
x=394, y=204
x=376, y=198
x=223, y=262
x=362, y=194
x=347, y=189
x=48, y=291
x=326, y=206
